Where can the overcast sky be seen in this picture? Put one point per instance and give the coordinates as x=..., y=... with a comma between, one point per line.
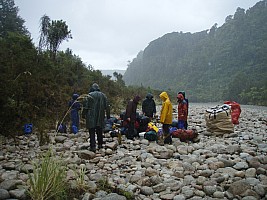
x=109, y=33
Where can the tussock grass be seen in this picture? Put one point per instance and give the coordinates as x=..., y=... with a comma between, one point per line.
x=80, y=178
x=48, y=180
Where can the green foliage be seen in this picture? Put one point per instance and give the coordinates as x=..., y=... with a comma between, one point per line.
x=48, y=180
x=10, y=21
x=254, y=94
x=211, y=65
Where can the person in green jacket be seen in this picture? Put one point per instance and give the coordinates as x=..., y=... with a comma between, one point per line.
x=166, y=117
x=95, y=108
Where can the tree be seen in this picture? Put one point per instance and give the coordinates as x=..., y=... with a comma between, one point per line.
x=10, y=21
x=119, y=77
x=53, y=33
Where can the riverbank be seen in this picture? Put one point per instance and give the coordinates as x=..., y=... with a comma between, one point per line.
x=229, y=167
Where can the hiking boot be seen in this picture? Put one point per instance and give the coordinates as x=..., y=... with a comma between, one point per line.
x=93, y=149
x=100, y=146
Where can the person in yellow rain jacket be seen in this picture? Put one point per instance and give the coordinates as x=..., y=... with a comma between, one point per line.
x=166, y=117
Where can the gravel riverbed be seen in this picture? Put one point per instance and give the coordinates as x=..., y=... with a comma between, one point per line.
x=233, y=166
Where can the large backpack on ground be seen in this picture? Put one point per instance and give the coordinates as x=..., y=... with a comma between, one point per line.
x=143, y=123
x=218, y=120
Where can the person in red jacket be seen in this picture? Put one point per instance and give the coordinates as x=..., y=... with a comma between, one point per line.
x=182, y=111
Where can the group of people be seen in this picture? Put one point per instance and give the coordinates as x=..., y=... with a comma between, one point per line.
x=96, y=107
x=149, y=110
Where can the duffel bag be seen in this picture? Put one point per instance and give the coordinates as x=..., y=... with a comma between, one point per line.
x=218, y=120
x=184, y=135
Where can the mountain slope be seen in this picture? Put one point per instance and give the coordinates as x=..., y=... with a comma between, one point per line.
x=227, y=62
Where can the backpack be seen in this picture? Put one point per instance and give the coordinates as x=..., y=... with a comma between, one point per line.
x=143, y=123
x=151, y=136
x=27, y=129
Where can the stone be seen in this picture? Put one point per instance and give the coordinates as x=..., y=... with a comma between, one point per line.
x=250, y=173
x=240, y=166
x=60, y=139
x=86, y=154
x=10, y=184
x=187, y=192
x=218, y=194
x=114, y=196
x=239, y=187
x=159, y=188
x=179, y=197
x=4, y=194
x=151, y=172
x=209, y=190
x=18, y=193
x=112, y=145
x=146, y=190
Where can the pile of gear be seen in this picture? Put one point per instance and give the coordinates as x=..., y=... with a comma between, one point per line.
x=144, y=128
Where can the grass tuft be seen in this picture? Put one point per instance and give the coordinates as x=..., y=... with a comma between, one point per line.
x=48, y=180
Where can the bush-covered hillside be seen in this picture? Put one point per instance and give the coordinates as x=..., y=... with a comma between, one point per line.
x=222, y=63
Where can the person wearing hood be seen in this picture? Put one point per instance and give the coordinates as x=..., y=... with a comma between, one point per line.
x=130, y=116
x=74, y=106
x=95, y=108
x=166, y=117
x=149, y=106
x=182, y=111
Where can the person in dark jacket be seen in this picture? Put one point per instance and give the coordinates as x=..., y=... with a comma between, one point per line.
x=130, y=116
x=149, y=106
x=75, y=106
x=95, y=108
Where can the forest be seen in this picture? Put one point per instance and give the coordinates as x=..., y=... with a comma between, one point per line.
x=218, y=64
x=38, y=82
